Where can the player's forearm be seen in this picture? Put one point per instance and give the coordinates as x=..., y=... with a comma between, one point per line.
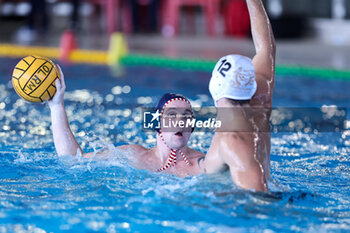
x=65, y=142
x=261, y=28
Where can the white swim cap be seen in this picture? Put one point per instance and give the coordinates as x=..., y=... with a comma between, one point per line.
x=233, y=77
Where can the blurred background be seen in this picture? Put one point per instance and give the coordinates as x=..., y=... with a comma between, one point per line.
x=308, y=32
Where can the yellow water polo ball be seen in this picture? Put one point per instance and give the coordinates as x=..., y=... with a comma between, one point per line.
x=34, y=78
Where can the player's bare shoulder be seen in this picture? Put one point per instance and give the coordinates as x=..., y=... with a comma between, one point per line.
x=136, y=150
x=195, y=154
x=137, y=155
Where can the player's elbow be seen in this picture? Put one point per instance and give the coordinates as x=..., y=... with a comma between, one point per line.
x=251, y=178
x=273, y=46
x=269, y=46
x=69, y=151
x=272, y=40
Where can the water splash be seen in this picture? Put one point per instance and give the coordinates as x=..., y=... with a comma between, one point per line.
x=41, y=191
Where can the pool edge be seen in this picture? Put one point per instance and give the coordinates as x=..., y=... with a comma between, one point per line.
x=100, y=57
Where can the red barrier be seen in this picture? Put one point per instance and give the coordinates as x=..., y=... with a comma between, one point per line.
x=171, y=12
x=67, y=45
x=236, y=15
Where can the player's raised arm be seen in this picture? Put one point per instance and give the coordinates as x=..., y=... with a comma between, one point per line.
x=264, y=41
x=238, y=85
x=65, y=142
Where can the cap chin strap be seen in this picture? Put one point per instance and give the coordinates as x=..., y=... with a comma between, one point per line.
x=171, y=161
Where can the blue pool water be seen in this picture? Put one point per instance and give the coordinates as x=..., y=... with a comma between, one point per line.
x=39, y=192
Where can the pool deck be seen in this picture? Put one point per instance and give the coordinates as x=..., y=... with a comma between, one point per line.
x=305, y=52
x=302, y=52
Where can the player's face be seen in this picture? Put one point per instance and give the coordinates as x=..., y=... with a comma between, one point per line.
x=175, y=127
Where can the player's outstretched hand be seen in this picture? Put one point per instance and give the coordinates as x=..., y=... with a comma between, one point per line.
x=60, y=89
